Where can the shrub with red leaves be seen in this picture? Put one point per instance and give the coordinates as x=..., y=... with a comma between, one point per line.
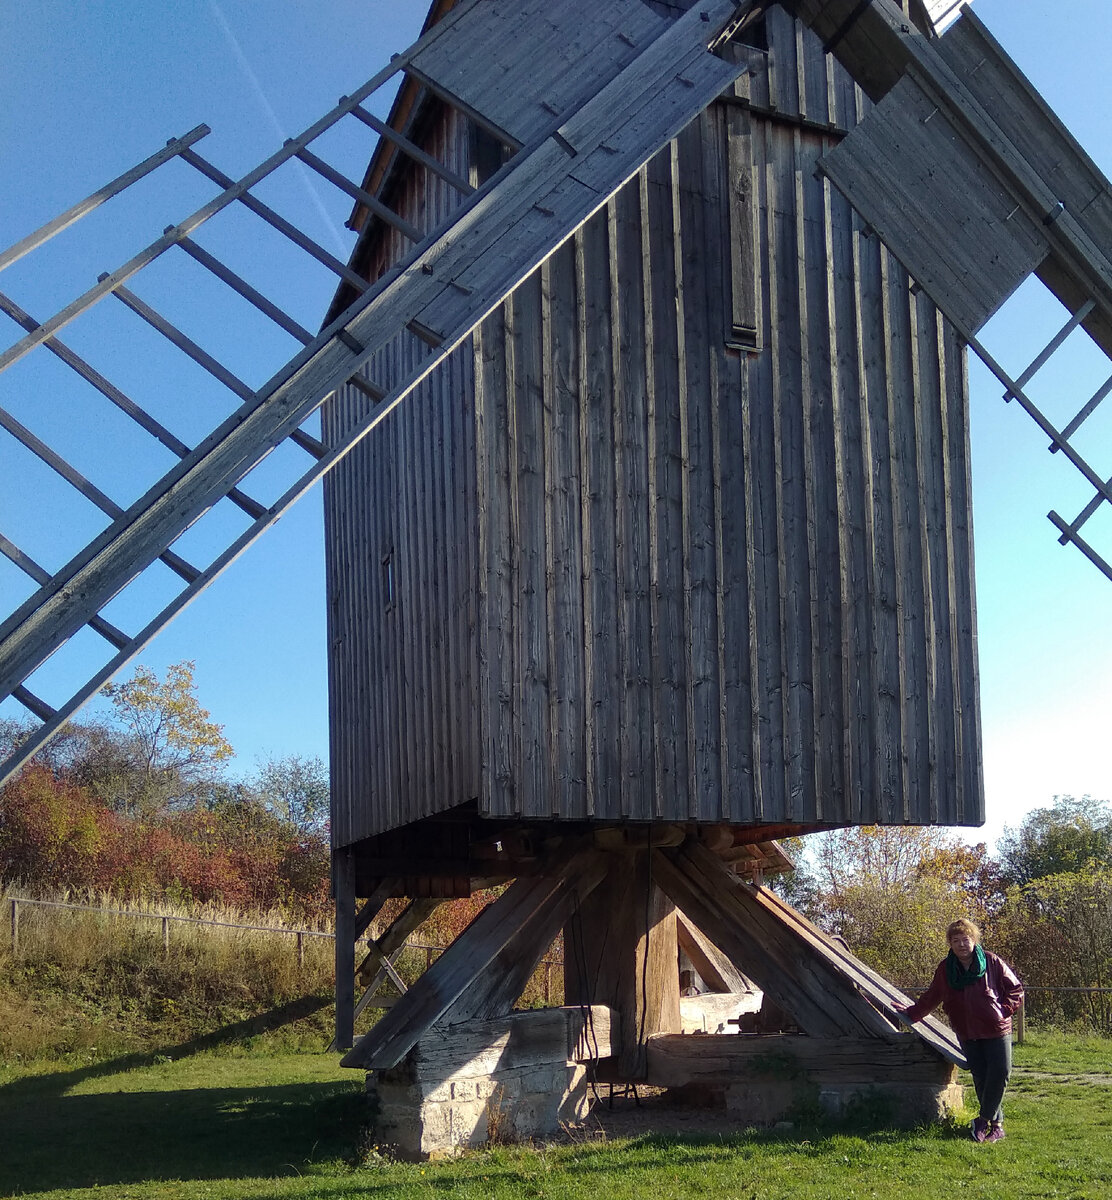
x=55, y=836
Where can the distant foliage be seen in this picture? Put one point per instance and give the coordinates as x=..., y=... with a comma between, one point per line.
x=1072, y=834
x=140, y=808
x=1059, y=927
x=890, y=892
x=169, y=751
x=55, y=836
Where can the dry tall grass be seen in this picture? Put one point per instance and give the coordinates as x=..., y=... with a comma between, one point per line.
x=97, y=984
x=83, y=979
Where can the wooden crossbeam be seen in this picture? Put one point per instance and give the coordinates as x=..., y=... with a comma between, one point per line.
x=413, y=151
x=44, y=233
x=108, y=631
x=85, y=486
x=279, y=223
x=406, y=228
x=722, y=1060
x=473, y=954
x=373, y=968
x=252, y=295
x=123, y=402
x=938, y=1036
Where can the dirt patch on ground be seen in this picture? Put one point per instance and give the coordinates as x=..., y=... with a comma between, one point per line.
x=628, y=1113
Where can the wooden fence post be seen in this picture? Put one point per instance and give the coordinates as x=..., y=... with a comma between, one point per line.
x=15, y=926
x=300, y=950
x=166, y=936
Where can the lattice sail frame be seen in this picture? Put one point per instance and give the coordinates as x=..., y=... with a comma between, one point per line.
x=585, y=135
x=572, y=157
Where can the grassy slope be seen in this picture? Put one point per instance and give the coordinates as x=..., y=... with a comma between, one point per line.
x=218, y=1124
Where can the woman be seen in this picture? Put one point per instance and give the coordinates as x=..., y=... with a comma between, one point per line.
x=979, y=992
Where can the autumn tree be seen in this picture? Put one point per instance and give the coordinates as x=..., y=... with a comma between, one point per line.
x=167, y=751
x=295, y=789
x=890, y=891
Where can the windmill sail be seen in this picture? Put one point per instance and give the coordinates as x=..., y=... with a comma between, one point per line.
x=594, y=97
x=974, y=185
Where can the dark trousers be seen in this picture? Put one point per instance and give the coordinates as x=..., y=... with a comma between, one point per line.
x=990, y=1064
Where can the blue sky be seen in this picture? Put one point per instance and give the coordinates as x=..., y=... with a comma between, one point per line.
x=88, y=89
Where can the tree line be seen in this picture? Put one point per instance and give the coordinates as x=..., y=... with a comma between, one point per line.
x=1043, y=900
x=139, y=804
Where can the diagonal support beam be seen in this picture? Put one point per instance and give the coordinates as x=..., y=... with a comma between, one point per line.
x=476, y=954
x=817, y=993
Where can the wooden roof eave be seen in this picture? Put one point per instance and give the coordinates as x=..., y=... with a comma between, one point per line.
x=385, y=164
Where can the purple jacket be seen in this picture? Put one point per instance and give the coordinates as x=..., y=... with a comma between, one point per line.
x=982, y=1010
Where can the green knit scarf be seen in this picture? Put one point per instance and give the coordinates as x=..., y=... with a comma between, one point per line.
x=958, y=976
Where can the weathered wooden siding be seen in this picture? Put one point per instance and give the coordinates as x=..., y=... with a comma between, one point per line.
x=647, y=575
x=404, y=726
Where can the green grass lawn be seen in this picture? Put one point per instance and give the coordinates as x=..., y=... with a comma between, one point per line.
x=220, y=1124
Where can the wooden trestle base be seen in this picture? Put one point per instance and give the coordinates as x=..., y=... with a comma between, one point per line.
x=444, y=1047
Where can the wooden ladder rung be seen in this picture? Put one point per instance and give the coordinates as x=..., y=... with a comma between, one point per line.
x=404, y=227
x=1069, y=534
x=1051, y=347
x=278, y=222
x=123, y=402
x=33, y=704
x=240, y=285
x=183, y=342
x=411, y=150
x=40, y=575
x=1085, y=413
x=82, y=208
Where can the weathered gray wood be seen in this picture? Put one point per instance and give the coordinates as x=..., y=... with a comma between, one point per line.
x=728, y=1059
x=250, y=294
x=413, y=151
x=715, y=969
x=315, y=374
x=343, y=888
x=278, y=222
x=573, y=49
x=620, y=950
x=933, y=1032
x=780, y=960
x=521, y=1040
x=372, y=969
x=384, y=213
x=774, y=474
x=64, y=220
x=471, y=956
x=495, y=992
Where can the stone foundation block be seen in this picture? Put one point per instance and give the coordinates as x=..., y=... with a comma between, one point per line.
x=478, y=1082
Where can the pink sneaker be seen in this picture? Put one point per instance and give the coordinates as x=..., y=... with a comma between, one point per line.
x=995, y=1132
x=979, y=1132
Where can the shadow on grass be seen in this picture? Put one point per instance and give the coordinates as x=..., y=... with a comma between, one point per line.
x=57, y=1140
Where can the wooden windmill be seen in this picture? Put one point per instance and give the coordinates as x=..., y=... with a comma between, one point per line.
x=644, y=429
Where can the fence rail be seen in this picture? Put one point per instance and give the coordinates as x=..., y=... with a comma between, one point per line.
x=431, y=951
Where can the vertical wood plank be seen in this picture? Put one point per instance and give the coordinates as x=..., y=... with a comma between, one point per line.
x=629, y=365
x=599, y=512
x=343, y=887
